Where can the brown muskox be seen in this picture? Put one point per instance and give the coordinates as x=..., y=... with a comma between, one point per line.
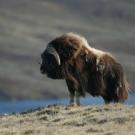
x=84, y=68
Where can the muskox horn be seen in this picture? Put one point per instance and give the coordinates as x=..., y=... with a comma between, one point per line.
x=53, y=51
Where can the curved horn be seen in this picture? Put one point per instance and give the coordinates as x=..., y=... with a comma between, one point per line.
x=53, y=51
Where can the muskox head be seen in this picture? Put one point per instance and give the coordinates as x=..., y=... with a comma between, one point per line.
x=51, y=64
x=56, y=55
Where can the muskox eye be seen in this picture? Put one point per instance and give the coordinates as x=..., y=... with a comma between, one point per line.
x=40, y=62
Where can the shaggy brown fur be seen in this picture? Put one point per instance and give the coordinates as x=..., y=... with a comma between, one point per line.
x=105, y=78
x=85, y=69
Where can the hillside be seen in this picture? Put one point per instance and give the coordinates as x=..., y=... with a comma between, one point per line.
x=63, y=120
x=26, y=26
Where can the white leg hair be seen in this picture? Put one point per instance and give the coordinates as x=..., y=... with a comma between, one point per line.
x=71, y=96
x=77, y=98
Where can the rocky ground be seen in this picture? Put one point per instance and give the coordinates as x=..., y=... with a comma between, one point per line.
x=113, y=119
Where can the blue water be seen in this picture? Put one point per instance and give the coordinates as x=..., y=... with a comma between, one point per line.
x=8, y=107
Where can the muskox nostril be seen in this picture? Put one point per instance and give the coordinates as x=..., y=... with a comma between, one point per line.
x=42, y=70
x=39, y=62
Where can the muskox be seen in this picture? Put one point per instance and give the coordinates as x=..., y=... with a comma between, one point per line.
x=85, y=69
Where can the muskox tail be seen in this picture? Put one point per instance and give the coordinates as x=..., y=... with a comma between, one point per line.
x=122, y=86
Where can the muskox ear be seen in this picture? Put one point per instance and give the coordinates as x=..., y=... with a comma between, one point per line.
x=100, y=65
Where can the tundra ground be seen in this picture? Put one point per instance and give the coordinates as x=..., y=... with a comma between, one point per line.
x=113, y=119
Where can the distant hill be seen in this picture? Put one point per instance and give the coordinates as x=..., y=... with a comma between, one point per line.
x=27, y=26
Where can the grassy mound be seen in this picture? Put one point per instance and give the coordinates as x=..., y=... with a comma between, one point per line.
x=113, y=119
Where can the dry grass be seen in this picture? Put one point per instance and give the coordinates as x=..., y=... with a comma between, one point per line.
x=113, y=119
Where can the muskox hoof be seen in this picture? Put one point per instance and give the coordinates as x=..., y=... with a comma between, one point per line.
x=71, y=105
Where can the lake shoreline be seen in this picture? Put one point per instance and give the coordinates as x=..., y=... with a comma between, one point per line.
x=16, y=106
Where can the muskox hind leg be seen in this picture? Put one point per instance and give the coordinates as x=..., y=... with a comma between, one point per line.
x=119, y=89
x=122, y=85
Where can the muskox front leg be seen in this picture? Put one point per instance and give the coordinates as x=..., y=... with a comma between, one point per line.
x=77, y=98
x=71, y=91
x=71, y=101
